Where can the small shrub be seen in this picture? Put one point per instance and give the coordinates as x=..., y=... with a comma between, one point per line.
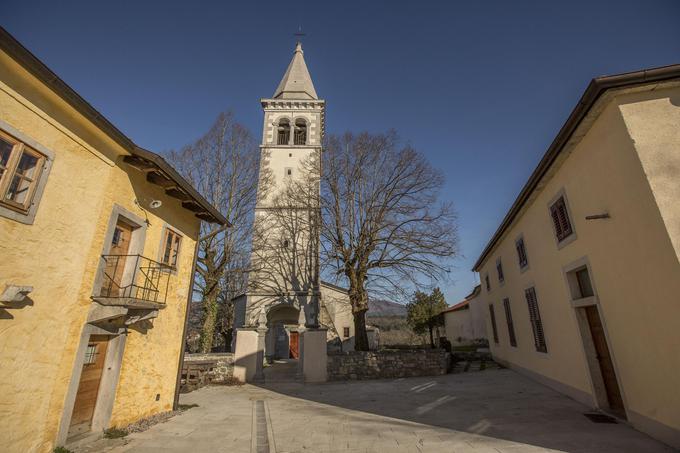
x=186, y=407
x=62, y=450
x=115, y=433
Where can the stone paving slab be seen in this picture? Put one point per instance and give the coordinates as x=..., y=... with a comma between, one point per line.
x=497, y=411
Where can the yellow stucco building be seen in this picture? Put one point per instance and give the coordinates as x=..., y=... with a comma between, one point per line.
x=581, y=280
x=97, y=246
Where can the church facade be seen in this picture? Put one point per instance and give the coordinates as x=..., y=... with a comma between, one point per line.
x=285, y=298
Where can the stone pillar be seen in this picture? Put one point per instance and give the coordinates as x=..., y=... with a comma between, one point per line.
x=249, y=354
x=313, y=355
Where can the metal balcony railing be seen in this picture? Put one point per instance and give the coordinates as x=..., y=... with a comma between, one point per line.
x=133, y=281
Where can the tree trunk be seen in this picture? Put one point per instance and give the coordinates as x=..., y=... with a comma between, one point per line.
x=358, y=298
x=209, y=321
x=360, y=335
x=431, y=338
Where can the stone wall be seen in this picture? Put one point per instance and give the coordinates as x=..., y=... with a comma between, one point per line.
x=387, y=364
x=199, y=370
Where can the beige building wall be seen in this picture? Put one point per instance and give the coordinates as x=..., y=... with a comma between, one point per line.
x=59, y=255
x=623, y=160
x=458, y=325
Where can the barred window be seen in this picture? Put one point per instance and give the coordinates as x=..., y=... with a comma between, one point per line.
x=535, y=318
x=511, y=326
x=300, y=136
x=283, y=132
x=493, y=324
x=560, y=218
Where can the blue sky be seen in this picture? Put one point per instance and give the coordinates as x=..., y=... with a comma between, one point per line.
x=481, y=88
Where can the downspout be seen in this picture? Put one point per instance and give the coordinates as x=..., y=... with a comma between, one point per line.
x=175, y=402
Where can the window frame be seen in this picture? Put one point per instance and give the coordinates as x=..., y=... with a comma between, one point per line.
x=522, y=265
x=499, y=270
x=487, y=282
x=283, y=122
x=21, y=143
x=296, y=135
x=562, y=240
x=494, y=326
x=345, y=332
x=167, y=230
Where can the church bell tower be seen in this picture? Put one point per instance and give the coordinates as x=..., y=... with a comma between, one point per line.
x=283, y=286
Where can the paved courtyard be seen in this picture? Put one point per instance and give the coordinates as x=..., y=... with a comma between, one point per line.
x=490, y=411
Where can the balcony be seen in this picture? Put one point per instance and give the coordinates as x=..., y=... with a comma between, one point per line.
x=134, y=282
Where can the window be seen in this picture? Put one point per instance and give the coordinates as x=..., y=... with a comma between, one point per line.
x=535, y=318
x=345, y=332
x=508, y=318
x=488, y=284
x=560, y=218
x=285, y=243
x=117, y=236
x=283, y=132
x=499, y=269
x=90, y=354
x=521, y=253
x=300, y=137
x=288, y=172
x=20, y=170
x=584, y=285
x=171, y=244
x=493, y=324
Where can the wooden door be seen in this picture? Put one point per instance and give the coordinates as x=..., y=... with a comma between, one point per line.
x=294, y=345
x=115, y=265
x=88, y=387
x=605, y=361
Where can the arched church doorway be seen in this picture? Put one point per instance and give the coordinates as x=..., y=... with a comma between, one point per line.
x=282, y=340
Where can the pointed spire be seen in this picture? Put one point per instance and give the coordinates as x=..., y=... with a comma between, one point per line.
x=296, y=82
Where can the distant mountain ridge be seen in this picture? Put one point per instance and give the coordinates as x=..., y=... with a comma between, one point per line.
x=381, y=307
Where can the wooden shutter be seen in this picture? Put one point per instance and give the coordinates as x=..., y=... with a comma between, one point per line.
x=535, y=318
x=511, y=326
x=521, y=252
x=493, y=324
x=499, y=268
x=560, y=218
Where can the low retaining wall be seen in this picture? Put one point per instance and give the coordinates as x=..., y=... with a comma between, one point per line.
x=199, y=370
x=387, y=364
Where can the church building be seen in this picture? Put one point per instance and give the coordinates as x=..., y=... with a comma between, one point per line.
x=286, y=308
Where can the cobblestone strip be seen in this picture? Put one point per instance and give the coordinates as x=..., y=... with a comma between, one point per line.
x=260, y=441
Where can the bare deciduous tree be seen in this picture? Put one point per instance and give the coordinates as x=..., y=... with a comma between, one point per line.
x=223, y=165
x=383, y=226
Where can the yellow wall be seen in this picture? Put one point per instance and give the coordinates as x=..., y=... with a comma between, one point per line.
x=58, y=255
x=627, y=164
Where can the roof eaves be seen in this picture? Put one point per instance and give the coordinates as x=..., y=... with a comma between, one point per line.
x=40, y=71
x=595, y=89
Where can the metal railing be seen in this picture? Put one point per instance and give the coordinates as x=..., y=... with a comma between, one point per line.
x=135, y=277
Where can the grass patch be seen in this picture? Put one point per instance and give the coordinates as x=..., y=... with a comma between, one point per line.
x=62, y=450
x=186, y=407
x=115, y=433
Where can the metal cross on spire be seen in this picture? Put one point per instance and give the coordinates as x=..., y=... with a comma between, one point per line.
x=299, y=34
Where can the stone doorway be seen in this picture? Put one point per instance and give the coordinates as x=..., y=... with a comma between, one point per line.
x=282, y=325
